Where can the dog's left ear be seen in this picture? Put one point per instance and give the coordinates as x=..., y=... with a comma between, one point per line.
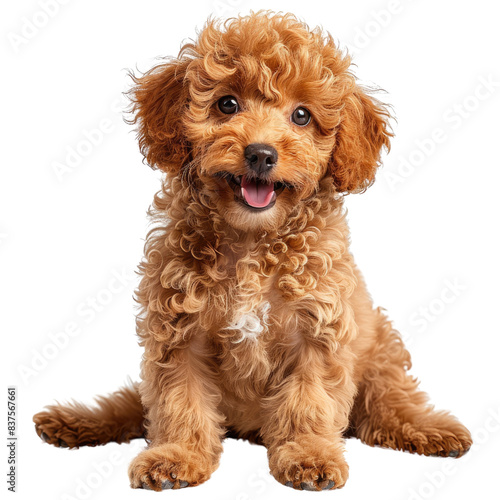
x=159, y=99
x=362, y=133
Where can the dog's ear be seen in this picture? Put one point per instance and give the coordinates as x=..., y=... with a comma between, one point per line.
x=362, y=133
x=159, y=98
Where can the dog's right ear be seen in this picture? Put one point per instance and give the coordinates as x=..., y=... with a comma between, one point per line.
x=159, y=98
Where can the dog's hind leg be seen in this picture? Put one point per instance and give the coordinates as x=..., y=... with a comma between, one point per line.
x=117, y=417
x=390, y=410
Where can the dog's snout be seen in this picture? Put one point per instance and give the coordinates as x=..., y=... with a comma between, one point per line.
x=261, y=157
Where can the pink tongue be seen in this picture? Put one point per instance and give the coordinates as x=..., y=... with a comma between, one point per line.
x=256, y=194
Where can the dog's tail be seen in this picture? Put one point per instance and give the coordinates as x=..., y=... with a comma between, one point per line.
x=117, y=417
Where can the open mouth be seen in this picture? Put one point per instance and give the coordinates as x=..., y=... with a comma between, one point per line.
x=254, y=192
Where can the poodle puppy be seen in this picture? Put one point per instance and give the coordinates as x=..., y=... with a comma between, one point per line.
x=255, y=321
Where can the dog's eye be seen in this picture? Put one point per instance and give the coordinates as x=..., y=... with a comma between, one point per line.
x=228, y=105
x=301, y=117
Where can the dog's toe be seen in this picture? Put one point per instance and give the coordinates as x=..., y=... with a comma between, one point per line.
x=307, y=487
x=450, y=454
x=167, y=485
x=329, y=485
x=60, y=443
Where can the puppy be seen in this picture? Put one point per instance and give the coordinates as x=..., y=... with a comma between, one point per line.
x=255, y=320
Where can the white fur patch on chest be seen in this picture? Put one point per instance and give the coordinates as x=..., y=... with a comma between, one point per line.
x=252, y=324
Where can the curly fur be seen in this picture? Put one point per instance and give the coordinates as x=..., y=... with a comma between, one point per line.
x=320, y=362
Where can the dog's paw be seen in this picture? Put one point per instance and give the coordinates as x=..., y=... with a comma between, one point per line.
x=52, y=430
x=169, y=466
x=437, y=439
x=310, y=463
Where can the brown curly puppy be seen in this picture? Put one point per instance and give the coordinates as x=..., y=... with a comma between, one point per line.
x=255, y=321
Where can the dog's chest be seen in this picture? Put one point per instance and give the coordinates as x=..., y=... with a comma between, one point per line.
x=249, y=324
x=257, y=310
x=258, y=318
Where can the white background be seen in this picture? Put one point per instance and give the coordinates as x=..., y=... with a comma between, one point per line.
x=432, y=234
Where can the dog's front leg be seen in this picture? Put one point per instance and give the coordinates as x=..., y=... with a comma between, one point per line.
x=306, y=414
x=184, y=428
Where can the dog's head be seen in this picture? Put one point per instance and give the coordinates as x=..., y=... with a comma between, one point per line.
x=260, y=109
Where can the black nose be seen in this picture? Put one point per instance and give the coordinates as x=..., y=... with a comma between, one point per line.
x=261, y=157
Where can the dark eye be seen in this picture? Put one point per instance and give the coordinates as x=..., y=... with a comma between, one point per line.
x=228, y=105
x=301, y=117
